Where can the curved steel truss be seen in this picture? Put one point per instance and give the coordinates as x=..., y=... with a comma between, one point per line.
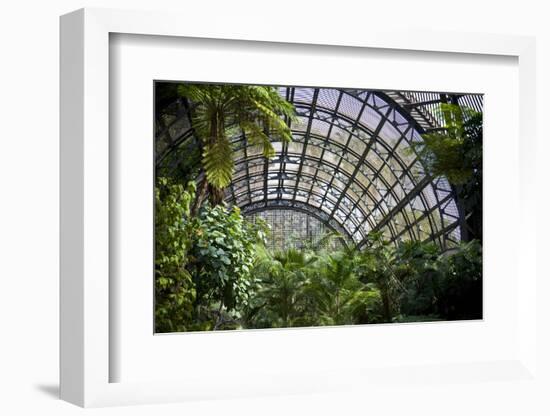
x=352, y=166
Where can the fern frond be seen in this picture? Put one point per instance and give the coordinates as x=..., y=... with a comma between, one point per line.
x=274, y=121
x=194, y=92
x=256, y=137
x=218, y=163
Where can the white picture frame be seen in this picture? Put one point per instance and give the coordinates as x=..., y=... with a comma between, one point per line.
x=85, y=355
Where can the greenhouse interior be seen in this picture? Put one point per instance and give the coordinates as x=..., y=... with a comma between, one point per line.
x=287, y=206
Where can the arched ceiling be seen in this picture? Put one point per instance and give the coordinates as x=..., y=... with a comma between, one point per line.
x=351, y=160
x=351, y=165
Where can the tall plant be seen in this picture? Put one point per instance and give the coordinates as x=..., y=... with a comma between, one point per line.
x=221, y=257
x=377, y=265
x=174, y=288
x=456, y=153
x=335, y=289
x=221, y=111
x=280, y=296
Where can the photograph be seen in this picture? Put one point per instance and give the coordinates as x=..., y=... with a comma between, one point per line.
x=218, y=208
x=310, y=206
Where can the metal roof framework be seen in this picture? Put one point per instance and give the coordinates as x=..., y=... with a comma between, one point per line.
x=350, y=164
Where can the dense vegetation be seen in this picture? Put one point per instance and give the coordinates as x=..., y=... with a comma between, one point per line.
x=213, y=270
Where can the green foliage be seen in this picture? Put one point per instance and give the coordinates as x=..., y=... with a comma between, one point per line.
x=377, y=265
x=416, y=280
x=202, y=264
x=456, y=153
x=340, y=298
x=214, y=272
x=418, y=270
x=305, y=288
x=279, y=299
x=221, y=258
x=174, y=289
x=218, y=162
x=221, y=111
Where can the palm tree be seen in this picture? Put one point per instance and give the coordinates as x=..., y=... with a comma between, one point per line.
x=283, y=277
x=378, y=264
x=336, y=288
x=222, y=111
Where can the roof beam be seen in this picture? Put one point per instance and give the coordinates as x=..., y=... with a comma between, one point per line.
x=373, y=139
x=308, y=131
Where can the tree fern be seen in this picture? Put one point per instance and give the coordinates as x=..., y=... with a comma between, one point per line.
x=221, y=112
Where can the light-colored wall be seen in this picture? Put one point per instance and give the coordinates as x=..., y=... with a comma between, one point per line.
x=29, y=85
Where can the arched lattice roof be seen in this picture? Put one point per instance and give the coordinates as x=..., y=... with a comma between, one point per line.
x=351, y=165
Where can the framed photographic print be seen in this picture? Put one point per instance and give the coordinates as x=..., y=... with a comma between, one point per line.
x=282, y=213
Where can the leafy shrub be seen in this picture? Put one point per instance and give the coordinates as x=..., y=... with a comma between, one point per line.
x=174, y=288
x=221, y=258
